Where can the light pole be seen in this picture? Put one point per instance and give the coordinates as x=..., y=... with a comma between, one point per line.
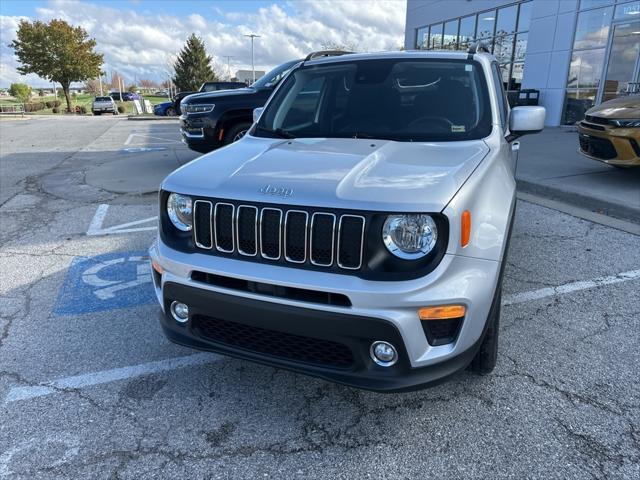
x=228, y=66
x=253, y=68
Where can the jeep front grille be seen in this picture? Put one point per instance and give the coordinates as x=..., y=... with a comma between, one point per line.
x=317, y=238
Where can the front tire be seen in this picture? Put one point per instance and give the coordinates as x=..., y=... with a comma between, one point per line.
x=171, y=112
x=97, y=113
x=485, y=360
x=236, y=132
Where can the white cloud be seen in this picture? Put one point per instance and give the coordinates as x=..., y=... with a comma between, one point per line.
x=142, y=44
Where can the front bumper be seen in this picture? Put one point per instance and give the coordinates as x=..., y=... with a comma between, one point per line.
x=614, y=146
x=199, y=132
x=379, y=311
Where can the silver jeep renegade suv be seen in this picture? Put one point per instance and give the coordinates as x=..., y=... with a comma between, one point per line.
x=359, y=231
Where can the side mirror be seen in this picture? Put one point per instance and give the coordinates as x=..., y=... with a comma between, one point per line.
x=256, y=113
x=525, y=120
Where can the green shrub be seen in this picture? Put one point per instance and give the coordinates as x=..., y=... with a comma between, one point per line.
x=55, y=110
x=20, y=91
x=81, y=109
x=52, y=103
x=34, y=106
x=120, y=109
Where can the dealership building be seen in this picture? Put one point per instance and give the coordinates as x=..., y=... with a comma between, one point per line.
x=576, y=53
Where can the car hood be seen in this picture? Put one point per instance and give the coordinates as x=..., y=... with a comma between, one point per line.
x=354, y=174
x=206, y=96
x=618, y=108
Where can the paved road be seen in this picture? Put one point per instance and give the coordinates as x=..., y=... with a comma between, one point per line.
x=89, y=387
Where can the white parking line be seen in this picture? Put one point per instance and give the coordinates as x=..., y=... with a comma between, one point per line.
x=144, y=136
x=95, y=227
x=106, y=376
x=523, y=297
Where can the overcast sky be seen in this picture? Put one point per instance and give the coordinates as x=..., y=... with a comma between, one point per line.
x=139, y=38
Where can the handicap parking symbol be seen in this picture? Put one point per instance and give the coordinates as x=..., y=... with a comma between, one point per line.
x=106, y=282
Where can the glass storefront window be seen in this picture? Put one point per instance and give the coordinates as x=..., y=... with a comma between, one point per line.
x=586, y=68
x=435, y=37
x=467, y=31
x=450, y=35
x=505, y=70
x=627, y=11
x=422, y=38
x=503, y=48
x=506, y=23
x=521, y=47
x=524, y=18
x=624, y=52
x=593, y=3
x=576, y=103
x=516, y=76
x=486, y=22
x=592, y=29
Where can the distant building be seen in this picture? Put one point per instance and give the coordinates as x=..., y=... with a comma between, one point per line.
x=246, y=76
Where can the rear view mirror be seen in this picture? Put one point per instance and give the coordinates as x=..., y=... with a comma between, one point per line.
x=256, y=113
x=525, y=120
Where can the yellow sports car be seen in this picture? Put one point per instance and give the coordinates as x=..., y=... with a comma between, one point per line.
x=610, y=132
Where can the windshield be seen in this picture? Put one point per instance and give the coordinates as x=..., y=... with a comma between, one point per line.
x=103, y=99
x=398, y=99
x=272, y=78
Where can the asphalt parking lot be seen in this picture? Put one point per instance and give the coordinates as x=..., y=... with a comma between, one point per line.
x=90, y=388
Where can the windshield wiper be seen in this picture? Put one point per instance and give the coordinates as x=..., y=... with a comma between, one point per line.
x=379, y=136
x=278, y=132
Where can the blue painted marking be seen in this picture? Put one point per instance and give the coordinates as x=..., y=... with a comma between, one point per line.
x=106, y=282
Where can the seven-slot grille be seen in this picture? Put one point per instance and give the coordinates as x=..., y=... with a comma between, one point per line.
x=322, y=239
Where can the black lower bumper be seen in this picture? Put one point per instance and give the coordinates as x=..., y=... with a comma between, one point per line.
x=199, y=134
x=333, y=346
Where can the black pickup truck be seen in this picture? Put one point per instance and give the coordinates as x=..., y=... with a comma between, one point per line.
x=213, y=119
x=206, y=87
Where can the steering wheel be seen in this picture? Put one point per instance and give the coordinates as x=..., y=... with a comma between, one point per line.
x=441, y=123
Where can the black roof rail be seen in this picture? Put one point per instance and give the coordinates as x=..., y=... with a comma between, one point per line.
x=325, y=53
x=478, y=47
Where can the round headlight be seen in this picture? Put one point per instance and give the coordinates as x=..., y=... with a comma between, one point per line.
x=179, y=209
x=410, y=236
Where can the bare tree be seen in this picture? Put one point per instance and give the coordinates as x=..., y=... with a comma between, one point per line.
x=92, y=86
x=116, y=81
x=345, y=46
x=147, y=83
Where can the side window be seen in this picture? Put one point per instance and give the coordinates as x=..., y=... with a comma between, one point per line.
x=503, y=106
x=303, y=110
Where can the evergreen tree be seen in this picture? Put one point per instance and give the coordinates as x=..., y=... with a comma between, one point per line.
x=193, y=66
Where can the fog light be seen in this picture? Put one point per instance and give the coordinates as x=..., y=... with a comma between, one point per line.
x=179, y=312
x=383, y=353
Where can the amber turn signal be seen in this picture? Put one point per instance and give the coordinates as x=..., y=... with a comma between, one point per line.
x=442, y=313
x=465, y=228
x=156, y=266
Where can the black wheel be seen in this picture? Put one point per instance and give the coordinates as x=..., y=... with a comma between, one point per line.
x=171, y=112
x=236, y=132
x=97, y=113
x=115, y=112
x=485, y=360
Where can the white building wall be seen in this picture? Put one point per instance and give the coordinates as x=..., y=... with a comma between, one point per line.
x=549, y=53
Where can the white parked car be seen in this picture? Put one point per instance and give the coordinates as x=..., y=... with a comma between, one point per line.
x=104, y=105
x=358, y=232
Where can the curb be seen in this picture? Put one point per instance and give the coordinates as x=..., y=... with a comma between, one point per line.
x=606, y=207
x=142, y=118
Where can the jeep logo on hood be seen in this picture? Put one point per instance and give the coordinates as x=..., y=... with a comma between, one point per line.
x=277, y=191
